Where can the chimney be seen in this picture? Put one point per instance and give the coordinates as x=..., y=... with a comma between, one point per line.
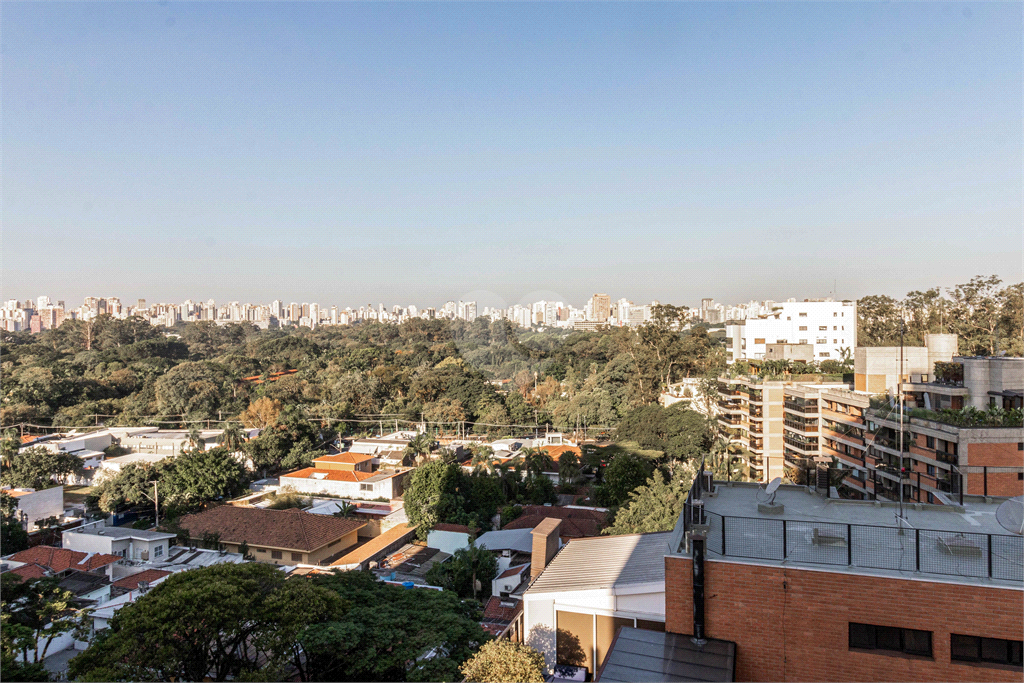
x=545, y=545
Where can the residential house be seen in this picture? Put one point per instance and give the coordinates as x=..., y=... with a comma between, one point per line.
x=347, y=477
x=35, y=506
x=577, y=522
x=282, y=537
x=125, y=542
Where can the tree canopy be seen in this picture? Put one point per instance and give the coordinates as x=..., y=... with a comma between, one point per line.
x=503, y=660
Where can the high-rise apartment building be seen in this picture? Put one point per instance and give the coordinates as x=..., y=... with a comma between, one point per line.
x=829, y=326
x=600, y=308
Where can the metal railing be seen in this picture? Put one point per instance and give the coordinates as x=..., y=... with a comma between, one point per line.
x=946, y=553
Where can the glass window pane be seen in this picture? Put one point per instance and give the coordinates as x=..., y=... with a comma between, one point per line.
x=862, y=635
x=964, y=648
x=917, y=642
x=993, y=650
x=888, y=638
x=1016, y=648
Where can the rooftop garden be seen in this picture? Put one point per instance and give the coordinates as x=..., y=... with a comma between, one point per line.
x=964, y=417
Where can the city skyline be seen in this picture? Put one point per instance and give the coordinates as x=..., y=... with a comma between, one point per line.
x=422, y=152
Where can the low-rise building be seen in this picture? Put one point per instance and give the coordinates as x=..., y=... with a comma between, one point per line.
x=283, y=537
x=125, y=542
x=35, y=506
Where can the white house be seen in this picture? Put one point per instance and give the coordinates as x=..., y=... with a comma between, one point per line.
x=592, y=587
x=347, y=483
x=131, y=544
x=34, y=506
x=448, y=537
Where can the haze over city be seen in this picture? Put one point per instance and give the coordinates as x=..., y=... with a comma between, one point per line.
x=349, y=153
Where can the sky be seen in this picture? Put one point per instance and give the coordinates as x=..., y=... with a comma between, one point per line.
x=349, y=153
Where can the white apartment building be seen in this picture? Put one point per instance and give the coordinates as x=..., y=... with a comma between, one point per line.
x=829, y=326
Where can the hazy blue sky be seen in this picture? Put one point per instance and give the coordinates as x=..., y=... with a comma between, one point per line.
x=414, y=153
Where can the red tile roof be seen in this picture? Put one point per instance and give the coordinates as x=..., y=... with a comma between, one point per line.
x=512, y=571
x=555, y=452
x=329, y=475
x=62, y=559
x=494, y=611
x=132, y=582
x=347, y=457
x=29, y=571
x=457, y=528
x=286, y=529
x=575, y=523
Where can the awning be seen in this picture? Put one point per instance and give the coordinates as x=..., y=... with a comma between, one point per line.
x=639, y=655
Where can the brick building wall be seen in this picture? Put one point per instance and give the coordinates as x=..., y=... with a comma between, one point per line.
x=791, y=624
x=995, y=455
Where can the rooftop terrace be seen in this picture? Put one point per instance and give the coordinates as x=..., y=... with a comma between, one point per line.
x=939, y=542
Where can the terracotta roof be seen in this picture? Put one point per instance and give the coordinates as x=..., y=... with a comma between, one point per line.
x=346, y=457
x=457, y=528
x=328, y=475
x=494, y=629
x=62, y=559
x=14, y=493
x=375, y=545
x=555, y=452
x=287, y=529
x=29, y=571
x=575, y=523
x=132, y=582
x=493, y=610
x=512, y=571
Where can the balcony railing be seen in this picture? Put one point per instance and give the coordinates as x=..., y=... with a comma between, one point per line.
x=924, y=551
x=801, y=407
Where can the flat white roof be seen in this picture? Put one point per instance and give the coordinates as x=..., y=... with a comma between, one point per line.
x=605, y=562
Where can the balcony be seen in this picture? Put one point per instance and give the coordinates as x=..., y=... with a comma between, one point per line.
x=801, y=407
x=802, y=425
x=805, y=446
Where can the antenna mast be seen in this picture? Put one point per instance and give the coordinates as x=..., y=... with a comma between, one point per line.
x=899, y=389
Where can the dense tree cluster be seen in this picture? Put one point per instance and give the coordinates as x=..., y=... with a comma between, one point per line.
x=125, y=372
x=987, y=317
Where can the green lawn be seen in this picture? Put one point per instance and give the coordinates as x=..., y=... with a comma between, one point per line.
x=76, y=494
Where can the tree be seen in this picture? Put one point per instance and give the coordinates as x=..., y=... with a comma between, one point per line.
x=192, y=389
x=261, y=413
x=420, y=446
x=536, y=461
x=391, y=634
x=39, y=468
x=14, y=538
x=202, y=476
x=219, y=622
x=468, y=572
x=432, y=495
x=232, y=439
x=503, y=660
x=628, y=470
x=483, y=458
x=656, y=506
x=568, y=467
x=39, y=611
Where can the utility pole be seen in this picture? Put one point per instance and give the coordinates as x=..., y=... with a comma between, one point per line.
x=156, y=503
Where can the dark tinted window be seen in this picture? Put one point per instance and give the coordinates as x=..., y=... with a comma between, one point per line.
x=892, y=638
x=992, y=650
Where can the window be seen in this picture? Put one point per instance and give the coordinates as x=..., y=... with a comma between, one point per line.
x=1020, y=446
x=823, y=354
x=803, y=328
x=989, y=650
x=835, y=327
x=275, y=554
x=366, y=487
x=803, y=341
x=759, y=340
x=931, y=498
x=296, y=557
x=821, y=341
x=822, y=328
x=929, y=441
x=261, y=550
x=158, y=551
x=894, y=639
x=834, y=314
x=803, y=315
x=835, y=341
x=780, y=341
x=931, y=470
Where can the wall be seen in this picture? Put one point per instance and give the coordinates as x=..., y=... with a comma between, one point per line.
x=42, y=504
x=447, y=541
x=791, y=624
x=1001, y=455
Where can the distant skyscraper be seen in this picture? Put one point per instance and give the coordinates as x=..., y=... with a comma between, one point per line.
x=601, y=307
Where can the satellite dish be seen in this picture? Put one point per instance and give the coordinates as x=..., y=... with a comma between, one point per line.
x=1011, y=515
x=772, y=487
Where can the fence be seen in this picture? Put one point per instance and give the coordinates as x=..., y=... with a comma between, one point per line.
x=948, y=553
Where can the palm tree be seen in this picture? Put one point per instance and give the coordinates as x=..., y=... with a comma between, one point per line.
x=568, y=468
x=232, y=438
x=195, y=438
x=536, y=460
x=420, y=446
x=483, y=459
x=345, y=509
